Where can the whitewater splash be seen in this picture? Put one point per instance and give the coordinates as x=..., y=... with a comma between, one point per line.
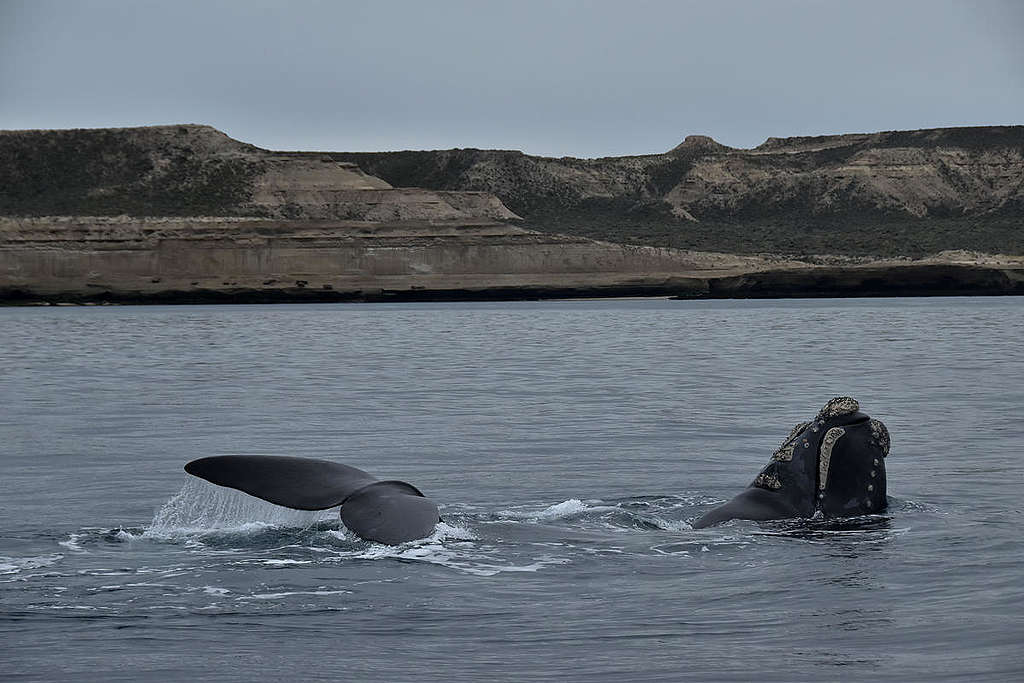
x=202, y=507
x=622, y=515
x=205, y=517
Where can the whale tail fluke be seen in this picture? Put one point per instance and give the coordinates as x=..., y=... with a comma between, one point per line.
x=389, y=512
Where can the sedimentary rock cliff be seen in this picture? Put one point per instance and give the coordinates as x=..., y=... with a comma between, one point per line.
x=903, y=193
x=187, y=214
x=192, y=170
x=124, y=259
x=892, y=193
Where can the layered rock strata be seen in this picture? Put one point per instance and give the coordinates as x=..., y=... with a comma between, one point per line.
x=898, y=193
x=193, y=170
x=173, y=260
x=217, y=259
x=187, y=214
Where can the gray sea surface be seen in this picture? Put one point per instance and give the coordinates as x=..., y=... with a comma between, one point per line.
x=570, y=445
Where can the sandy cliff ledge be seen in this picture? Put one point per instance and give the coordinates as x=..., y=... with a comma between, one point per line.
x=239, y=223
x=173, y=260
x=123, y=259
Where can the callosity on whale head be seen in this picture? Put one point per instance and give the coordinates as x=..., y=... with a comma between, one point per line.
x=833, y=465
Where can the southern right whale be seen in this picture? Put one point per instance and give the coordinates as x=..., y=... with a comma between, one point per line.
x=390, y=512
x=833, y=465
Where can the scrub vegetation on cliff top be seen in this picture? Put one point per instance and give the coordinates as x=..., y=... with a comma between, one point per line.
x=106, y=172
x=903, y=193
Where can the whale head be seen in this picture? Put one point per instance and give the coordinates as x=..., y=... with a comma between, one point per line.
x=832, y=465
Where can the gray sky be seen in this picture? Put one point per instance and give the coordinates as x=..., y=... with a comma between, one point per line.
x=554, y=78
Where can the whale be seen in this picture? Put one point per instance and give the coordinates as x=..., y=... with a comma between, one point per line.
x=384, y=511
x=832, y=466
x=829, y=467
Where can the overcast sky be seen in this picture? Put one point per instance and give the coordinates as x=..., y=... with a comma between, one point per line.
x=555, y=78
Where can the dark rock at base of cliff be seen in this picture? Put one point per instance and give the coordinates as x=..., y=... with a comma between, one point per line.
x=900, y=280
x=903, y=280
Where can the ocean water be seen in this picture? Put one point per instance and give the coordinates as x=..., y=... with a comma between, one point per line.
x=570, y=444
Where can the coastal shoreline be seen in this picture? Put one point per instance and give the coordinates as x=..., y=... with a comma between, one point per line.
x=924, y=280
x=186, y=214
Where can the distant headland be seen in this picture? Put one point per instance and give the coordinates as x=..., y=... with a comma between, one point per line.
x=184, y=213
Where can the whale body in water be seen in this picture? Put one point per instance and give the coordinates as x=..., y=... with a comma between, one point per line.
x=833, y=465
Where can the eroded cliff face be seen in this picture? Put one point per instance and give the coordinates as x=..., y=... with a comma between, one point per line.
x=121, y=258
x=187, y=214
x=192, y=170
x=938, y=173
x=912, y=192
x=903, y=193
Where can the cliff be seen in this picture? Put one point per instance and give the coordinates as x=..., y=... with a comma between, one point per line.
x=124, y=259
x=192, y=170
x=187, y=214
x=121, y=259
x=902, y=193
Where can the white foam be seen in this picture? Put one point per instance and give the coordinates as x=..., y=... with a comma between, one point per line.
x=463, y=555
x=443, y=531
x=276, y=596
x=482, y=569
x=306, y=548
x=149, y=585
x=72, y=543
x=667, y=525
x=200, y=509
x=566, y=508
x=451, y=532
x=15, y=565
